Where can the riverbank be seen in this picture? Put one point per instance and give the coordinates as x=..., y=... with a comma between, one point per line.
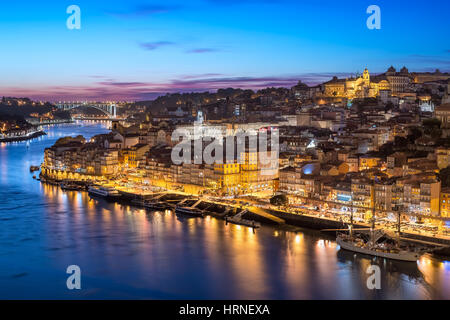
x=319, y=223
x=124, y=245
x=29, y=136
x=48, y=122
x=275, y=218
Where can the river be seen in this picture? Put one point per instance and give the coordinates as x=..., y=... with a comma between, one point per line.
x=129, y=253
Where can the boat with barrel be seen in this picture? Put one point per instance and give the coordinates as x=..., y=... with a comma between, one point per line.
x=156, y=205
x=34, y=168
x=70, y=186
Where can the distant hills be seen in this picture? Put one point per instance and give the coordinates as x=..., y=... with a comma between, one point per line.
x=21, y=108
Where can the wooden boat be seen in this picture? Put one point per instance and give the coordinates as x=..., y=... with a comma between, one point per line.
x=243, y=222
x=67, y=186
x=376, y=248
x=156, y=205
x=189, y=211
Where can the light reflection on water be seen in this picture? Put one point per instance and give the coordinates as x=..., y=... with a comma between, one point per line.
x=126, y=252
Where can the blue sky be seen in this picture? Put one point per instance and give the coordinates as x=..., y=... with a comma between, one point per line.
x=138, y=49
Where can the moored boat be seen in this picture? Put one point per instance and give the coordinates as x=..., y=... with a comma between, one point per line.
x=243, y=222
x=189, y=211
x=68, y=186
x=104, y=192
x=155, y=205
x=375, y=248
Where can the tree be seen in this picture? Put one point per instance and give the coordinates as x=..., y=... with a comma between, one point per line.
x=414, y=134
x=400, y=142
x=431, y=123
x=279, y=200
x=432, y=128
x=444, y=176
x=387, y=149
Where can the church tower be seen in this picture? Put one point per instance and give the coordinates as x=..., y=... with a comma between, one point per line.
x=366, y=77
x=446, y=98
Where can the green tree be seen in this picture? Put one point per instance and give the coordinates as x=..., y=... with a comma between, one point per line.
x=400, y=142
x=444, y=176
x=414, y=134
x=279, y=200
x=431, y=123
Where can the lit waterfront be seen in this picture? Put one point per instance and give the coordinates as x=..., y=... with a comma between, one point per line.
x=126, y=252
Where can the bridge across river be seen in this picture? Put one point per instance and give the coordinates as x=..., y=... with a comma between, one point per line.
x=108, y=109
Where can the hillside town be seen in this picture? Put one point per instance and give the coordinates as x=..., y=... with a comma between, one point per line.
x=353, y=146
x=21, y=117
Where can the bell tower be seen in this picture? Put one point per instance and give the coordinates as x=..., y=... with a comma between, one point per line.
x=366, y=77
x=446, y=98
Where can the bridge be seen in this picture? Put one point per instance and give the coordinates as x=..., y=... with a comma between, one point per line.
x=108, y=109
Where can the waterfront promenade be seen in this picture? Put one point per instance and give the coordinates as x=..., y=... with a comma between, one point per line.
x=293, y=217
x=27, y=136
x=127, y=251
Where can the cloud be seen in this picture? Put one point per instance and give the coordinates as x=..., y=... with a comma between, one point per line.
x=435, y=61
x=214, y=81
x=145, y=10
x=155, y=45
x=224, y=82
x=204, y=75
x=123, y=84
x=202, y=50
x=110, y=89
x=245, y=2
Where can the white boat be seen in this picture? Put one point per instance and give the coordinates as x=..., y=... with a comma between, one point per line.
x=104, y=192
x=244, y=222
x=237, y=219
x=376, y=249
x=155, y=205
x=189, y=211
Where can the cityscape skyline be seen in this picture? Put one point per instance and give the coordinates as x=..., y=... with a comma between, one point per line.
x=138, y=52
x=216, y=157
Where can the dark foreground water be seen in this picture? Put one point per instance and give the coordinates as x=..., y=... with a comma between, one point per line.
x=125, y=252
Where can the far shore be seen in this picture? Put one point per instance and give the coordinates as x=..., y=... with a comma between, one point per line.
x=28, y=136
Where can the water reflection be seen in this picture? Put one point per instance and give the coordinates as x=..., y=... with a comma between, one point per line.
x=127, y=252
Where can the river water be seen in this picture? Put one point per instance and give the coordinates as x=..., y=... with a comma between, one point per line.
x=130, y=253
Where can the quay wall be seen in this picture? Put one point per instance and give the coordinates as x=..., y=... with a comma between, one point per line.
x=320, y=223
x=49, y=122
x=24, y=138
x=310, y=222
x=420, y=237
